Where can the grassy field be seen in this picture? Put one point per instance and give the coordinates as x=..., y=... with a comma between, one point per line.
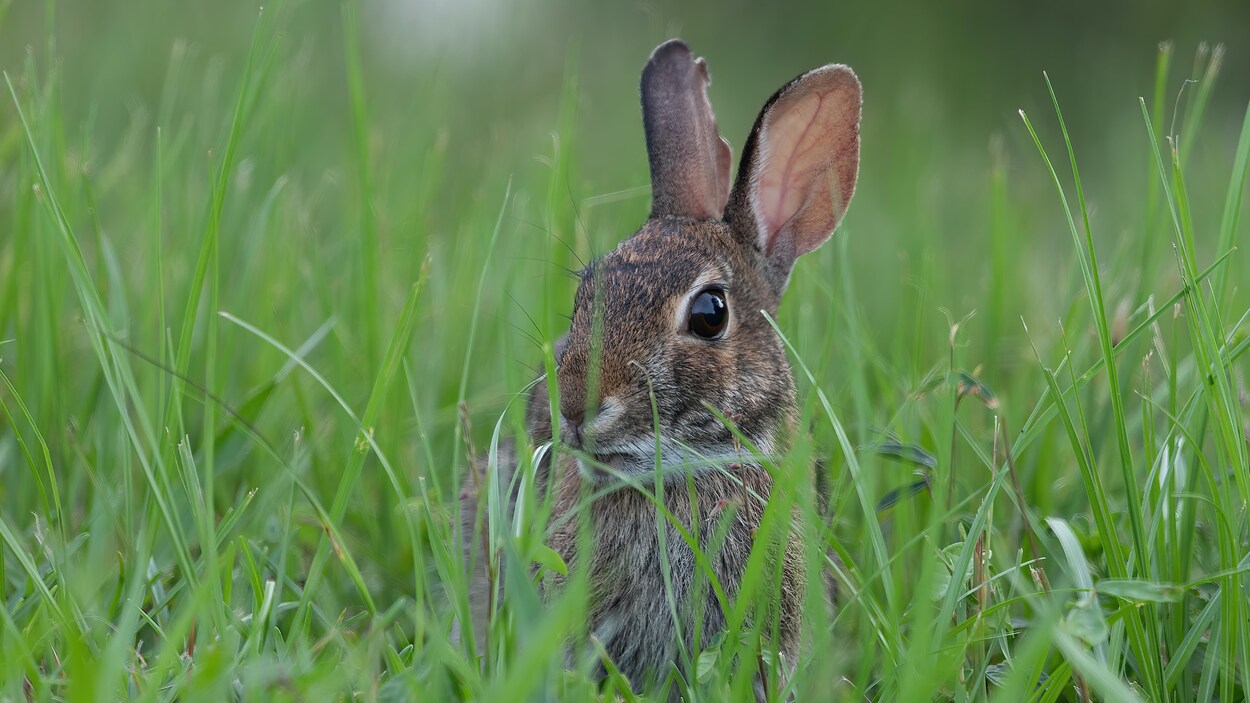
x=269, y=279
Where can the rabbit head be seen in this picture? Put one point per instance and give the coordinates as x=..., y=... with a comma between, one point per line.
x=674, y=314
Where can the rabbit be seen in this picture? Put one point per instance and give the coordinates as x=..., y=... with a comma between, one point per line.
x=681, y=323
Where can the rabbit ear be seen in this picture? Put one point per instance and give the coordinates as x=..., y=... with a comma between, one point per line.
x=689, y=160
x=799, y=167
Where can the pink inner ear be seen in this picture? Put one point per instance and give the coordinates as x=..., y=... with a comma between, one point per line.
x=807, y=146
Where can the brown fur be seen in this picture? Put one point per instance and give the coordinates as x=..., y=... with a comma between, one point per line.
x=636, y=630
x=629, y=344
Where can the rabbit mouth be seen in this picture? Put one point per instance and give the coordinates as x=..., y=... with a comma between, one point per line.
x=673, y=461
x=607, y=465
x=616, y=461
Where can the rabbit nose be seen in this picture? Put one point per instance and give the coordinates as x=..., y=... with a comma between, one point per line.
x=573, y=420
x=575, y=417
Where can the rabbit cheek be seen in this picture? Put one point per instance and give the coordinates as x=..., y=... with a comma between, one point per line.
x=702, y=373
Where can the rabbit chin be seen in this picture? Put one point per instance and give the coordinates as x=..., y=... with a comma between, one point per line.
x=675, y=463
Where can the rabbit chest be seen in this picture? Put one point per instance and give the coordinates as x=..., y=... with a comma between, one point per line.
x=630, y=610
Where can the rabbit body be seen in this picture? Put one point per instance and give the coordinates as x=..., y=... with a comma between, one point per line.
x=637, y=631
x=669, y=328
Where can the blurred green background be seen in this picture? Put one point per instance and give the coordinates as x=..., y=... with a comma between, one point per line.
x=480, y=84
x=346, y=176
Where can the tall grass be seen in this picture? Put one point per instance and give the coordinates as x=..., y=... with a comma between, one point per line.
x=246, y=359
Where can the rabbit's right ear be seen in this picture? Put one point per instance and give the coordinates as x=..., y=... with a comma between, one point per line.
x=798, y=168
x=689, y=161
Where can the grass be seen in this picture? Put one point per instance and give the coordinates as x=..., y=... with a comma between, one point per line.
x=250, y=340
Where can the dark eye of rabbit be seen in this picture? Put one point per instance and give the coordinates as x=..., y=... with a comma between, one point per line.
x=709, y=314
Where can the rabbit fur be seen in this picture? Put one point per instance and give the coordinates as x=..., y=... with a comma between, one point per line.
x=630, y=345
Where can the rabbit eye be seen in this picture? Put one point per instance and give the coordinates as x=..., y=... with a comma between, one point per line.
x=709, y=314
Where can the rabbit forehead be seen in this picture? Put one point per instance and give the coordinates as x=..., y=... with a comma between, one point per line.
x=657, y=267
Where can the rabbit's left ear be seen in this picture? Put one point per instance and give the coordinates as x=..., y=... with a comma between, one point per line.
x=689, y=161
x=799, y=167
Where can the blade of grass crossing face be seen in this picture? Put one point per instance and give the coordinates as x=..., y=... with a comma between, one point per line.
x=661, y=529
